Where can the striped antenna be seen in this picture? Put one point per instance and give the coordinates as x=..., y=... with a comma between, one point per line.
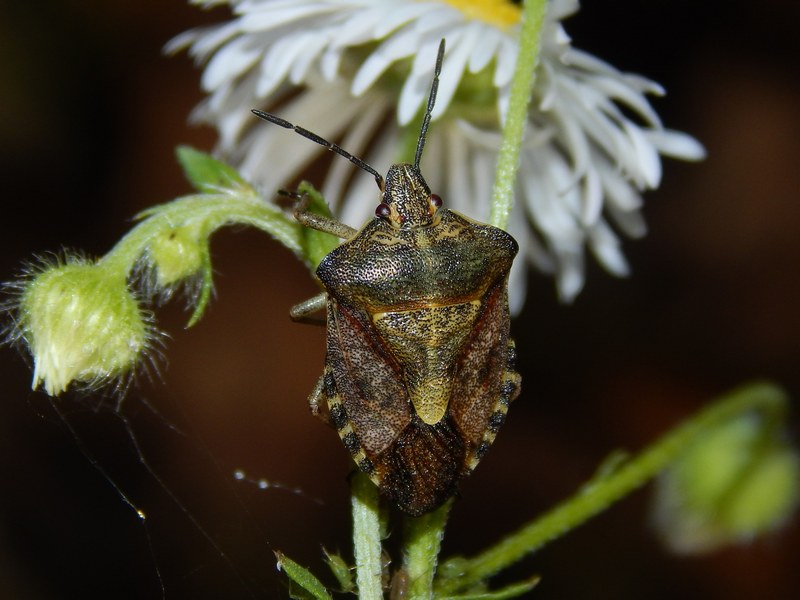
x=322, y=142
x=431, y=101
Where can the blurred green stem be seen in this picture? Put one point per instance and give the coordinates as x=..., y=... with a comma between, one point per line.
x=608, y=487
x=517, y=113
x=366, y=537
x=423, y=540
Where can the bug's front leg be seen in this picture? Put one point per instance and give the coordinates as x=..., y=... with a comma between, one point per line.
x=302, y=312
x=315, y=221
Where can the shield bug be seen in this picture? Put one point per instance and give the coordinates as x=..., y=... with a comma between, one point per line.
x=419, y=367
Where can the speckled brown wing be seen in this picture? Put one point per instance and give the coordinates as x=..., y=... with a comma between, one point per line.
x=367, y=382
x=415, y=464
x=485, y=378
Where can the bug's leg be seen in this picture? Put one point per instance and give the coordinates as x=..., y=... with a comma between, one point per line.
x=318, y=401
x=315, y=221
x=510, y=387
x=302, y=312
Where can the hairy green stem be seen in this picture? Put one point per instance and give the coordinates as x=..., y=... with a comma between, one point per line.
x=604, y=490
x=366, y=537
x=213, y=211
x=423, y=539
x=517, y=114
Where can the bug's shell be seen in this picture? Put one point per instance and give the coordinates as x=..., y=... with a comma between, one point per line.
x=419, y=368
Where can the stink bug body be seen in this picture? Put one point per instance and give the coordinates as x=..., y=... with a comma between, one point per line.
x=419, y=368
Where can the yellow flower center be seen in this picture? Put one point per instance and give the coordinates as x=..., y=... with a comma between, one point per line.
x=500, y=13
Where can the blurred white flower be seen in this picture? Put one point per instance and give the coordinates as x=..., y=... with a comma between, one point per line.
x=584, y=163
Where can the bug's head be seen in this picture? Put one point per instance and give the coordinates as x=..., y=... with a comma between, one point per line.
x=407, y=201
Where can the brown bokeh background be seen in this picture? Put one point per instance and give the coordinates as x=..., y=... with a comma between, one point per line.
x=91, y=113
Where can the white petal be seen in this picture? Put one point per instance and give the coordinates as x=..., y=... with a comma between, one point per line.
x=359, y=28
x=329, y=63
x=592, y=198
x=275, y=155
x=676, y=144
x=569, y=278
x=483, y=52
x=631, y=223
x=445, y=19
x=506, y=61
x=483, y=168
x=462, y=43
x=276, y=64
x=588, y=62
x=550, y=193
x=503, y=99
x=261, y=21
x=412, y=96
x=355, y=141
x=362, y=197
x=208, y=39
x=643, y=84
x=614, y=88
x=574, y=141
x=417, y=85
x=560, y=9
x=458, y=172
x=547, y=88
x=311, y=52
x=230, y=62
x=606, y=248
x=646, y=156
x=536, y=252
x=394, y=48
x=400, y=15
x=517, y=287
x=619, y=191
x=231, y=124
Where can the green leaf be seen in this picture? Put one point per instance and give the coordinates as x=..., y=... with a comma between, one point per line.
x=206, y=287
x=511, y=591
x=341, y=570
x=302, y=577
x=316, y=244
x=207, y=174
x=297, y=593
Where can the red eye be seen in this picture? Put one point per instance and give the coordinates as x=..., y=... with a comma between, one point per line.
x=383, y=211
x=436, y=200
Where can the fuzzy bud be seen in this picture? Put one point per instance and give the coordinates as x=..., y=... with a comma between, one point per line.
x=81, y=324
x=730, y=486
x=177, y=253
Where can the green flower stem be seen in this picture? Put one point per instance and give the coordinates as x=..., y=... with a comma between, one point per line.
x=366, y=537
x=212, y=211
x=423, y=540
x=516, y=117
x=608, y=488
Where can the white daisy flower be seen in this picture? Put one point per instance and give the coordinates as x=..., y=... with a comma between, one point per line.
x=366, y=66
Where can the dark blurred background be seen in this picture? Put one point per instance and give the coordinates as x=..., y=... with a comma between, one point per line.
x=91, y=113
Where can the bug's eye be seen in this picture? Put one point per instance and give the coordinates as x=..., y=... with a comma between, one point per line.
x=436, y=200
x=383, y=211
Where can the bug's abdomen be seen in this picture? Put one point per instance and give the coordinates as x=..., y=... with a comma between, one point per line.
x=422, y=468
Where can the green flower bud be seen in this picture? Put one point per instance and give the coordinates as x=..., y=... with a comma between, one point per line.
x=176, y=254
x=735, y=483
x=81, y=324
